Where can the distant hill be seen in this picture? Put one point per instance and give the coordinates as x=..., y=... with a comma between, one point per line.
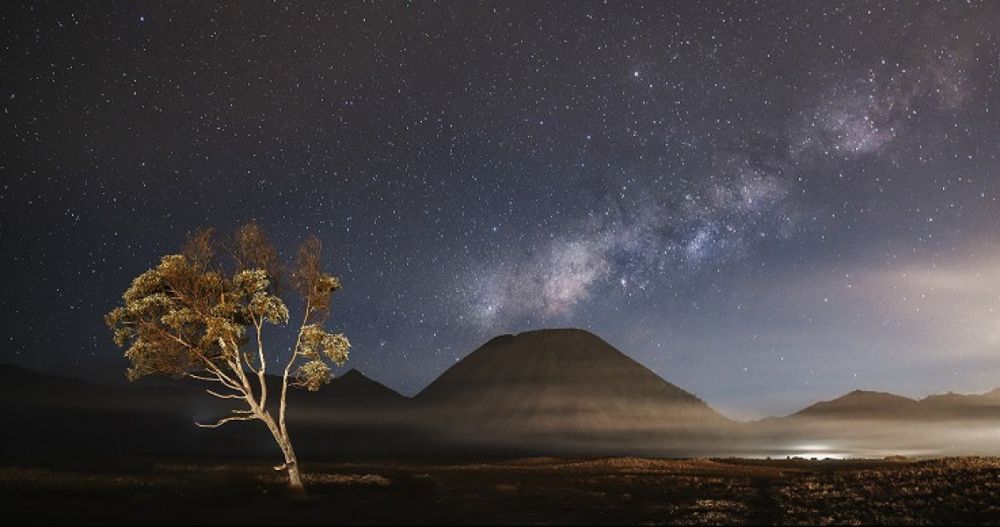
x=870, y=423
x=349, y=398
x=860, y=404
x=20, y=386
x=868, y=405
x=350, y=392
x=957, y=406
x=561, y=383
x=56, y=417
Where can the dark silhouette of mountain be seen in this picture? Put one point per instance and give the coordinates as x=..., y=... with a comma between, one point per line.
x=860, y=404
x=15, y=378
x=351, y=399
x=561, y=384
x=349, y=392
x=20, y=386
x=870, y=423
x=957, y=406
x=57, y=417
x=352, y=389
x=868, y=405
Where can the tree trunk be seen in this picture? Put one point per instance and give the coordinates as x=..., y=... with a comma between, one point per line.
x=294, y=479
x=291, y=464
x=285, y=443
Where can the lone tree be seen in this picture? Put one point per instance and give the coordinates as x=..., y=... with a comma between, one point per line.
x=201, y=314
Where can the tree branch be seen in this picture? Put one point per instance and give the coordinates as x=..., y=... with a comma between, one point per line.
x=288, y=367
x=250, y=366
x=201, y=377
x=261, y=377
x=221, y=396
x=223, y=378
x=167, y=334
x=226, y=420
x=237, y=365
x=217, y=379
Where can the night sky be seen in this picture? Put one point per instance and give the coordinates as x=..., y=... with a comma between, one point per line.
x=767, y=204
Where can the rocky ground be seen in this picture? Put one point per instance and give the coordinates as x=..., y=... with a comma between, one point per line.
x=521, y=491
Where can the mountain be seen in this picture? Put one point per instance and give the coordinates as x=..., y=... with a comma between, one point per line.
x=354, y=388
x=868, y=423
x=17, y=379
x=957, y=406
x=348, y=398
x=56, y=417
x=350, y=392
x=868, y=405
x=560, y=383
x=860, y=404
x=20, y=386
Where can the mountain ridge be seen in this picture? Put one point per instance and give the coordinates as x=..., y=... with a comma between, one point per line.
x=11, y=374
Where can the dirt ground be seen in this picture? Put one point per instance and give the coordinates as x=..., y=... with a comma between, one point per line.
x=519, y=491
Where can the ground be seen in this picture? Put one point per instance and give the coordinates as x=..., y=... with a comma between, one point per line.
x=520, y=491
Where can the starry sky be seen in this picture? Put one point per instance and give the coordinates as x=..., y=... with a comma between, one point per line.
x=767, y=203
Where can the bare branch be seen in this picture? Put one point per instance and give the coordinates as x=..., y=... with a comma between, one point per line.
x=214, y=379
x=237, y=366
x=249, y=365
x=261, y=378
x=201, y=377
x=223, y=378
x=224, y=421
x=231, y=362
x=221, y=396
x=288, y=368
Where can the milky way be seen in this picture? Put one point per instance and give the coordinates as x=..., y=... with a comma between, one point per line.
x=766, y=203
x=650, y=238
